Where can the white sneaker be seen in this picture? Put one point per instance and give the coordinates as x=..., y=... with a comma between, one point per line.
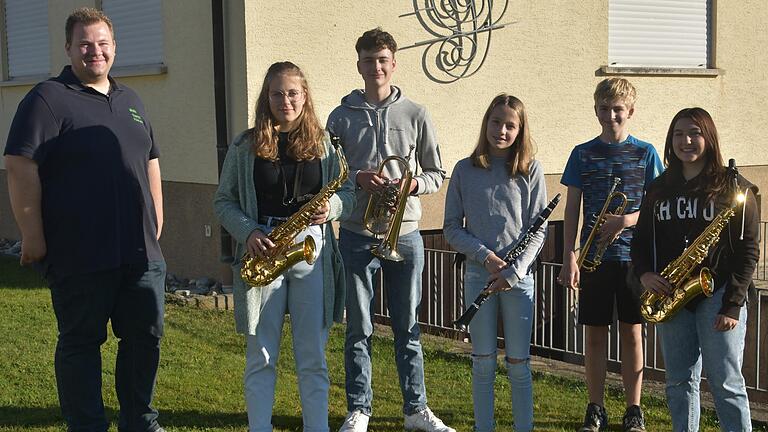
x=426, y=421
x=356, y=421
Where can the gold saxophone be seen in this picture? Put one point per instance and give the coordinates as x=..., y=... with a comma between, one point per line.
x=262, y=271
x=589, y=265
x=657, y=308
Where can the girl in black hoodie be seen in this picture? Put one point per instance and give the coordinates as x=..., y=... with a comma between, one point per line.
x=708, y=331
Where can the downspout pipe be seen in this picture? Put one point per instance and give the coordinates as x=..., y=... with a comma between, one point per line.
x=220, y=106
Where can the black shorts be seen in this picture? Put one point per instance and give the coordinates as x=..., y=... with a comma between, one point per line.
x=598, y=291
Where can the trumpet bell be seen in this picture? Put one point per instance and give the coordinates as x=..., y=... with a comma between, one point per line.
x=387, y=252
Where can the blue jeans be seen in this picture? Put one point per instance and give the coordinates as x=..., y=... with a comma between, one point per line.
x=689, y=341
x=402, y=282
x=516, y=309
x=132, y=298
x=298, y=291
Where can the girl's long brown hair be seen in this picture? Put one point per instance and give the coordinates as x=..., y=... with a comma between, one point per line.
x=713, y=168
x=305, y=140
x=520, y=157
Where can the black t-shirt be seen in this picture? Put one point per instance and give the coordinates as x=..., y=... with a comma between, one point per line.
x=284, y=185
x=92, y=152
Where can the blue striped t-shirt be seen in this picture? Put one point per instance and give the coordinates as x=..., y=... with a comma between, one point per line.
x=592, y=167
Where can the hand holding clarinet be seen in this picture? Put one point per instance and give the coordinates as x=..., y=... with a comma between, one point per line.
x=509, y=258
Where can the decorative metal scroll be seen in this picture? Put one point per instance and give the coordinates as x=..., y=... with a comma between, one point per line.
x=462, y=30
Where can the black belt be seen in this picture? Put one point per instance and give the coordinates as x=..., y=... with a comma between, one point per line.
x=272, y=221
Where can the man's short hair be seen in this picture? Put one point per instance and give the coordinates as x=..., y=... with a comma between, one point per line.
x=375, y=40
x=615, y=89
x=86, y=16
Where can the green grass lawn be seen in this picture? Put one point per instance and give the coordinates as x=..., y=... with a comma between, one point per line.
x=200, y=381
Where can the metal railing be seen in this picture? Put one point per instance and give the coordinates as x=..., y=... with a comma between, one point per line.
x=761, y=273
x=556, y=333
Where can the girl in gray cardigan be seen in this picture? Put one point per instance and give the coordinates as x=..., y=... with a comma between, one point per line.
x=493, y=197
x=270, y=171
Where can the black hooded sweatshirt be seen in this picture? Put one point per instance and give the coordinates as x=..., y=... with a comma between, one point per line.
x=670, y=220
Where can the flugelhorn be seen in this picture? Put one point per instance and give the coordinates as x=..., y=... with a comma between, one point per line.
x=379, y=218
x=587, y=264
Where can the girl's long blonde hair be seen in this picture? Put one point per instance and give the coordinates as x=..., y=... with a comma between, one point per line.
x=522, y=150
x=305, y=140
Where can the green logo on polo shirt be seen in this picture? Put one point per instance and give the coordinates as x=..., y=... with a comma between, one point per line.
x=135, y=115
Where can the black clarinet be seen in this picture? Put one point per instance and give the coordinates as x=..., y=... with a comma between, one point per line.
x=509, y=258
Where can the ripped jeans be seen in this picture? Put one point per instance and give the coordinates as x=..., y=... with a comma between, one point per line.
x=516, y=309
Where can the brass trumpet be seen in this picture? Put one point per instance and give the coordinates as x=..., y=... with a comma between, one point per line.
x=589, y=265
x=380, y=219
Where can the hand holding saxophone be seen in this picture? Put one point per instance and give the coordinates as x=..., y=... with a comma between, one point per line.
x=654, y=283
x=258, y=244
x=321, y=214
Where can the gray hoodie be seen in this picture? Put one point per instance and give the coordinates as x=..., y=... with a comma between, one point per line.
x=370, y=133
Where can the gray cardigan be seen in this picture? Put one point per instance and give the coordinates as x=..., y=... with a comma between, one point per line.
x=236, y=207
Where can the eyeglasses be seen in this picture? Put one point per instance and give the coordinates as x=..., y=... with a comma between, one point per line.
x=293, y=95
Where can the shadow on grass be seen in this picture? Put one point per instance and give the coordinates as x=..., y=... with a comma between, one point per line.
x=30, y=416
x=15, y=276
x=51, y=416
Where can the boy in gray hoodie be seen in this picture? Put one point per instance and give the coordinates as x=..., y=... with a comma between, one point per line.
x=374, y=124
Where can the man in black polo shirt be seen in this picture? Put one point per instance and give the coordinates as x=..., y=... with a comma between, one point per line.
x=84, y=182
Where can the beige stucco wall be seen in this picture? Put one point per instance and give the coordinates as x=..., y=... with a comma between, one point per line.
x=549, y=58
x=179, y=103
x=180, y=107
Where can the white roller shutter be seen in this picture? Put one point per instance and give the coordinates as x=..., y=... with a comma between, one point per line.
x=28, y=44
x=138, y=31
x=658, y=33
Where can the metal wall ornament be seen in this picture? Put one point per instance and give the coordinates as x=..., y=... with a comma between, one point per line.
x=462, y=30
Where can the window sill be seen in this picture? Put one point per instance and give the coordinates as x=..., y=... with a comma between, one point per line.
x=118, y=71
x=139, y=70
x=660, y=71
x=28, y=80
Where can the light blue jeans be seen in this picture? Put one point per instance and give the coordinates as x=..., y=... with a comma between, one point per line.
x=516, y=309
x=298, y=291
x=402, y=282
x=689, y=341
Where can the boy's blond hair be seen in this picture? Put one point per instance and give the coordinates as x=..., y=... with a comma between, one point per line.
x=615, y=89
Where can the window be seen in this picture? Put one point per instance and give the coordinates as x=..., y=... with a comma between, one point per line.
x=138, y=31
x=27, y=44
x=659, y=33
